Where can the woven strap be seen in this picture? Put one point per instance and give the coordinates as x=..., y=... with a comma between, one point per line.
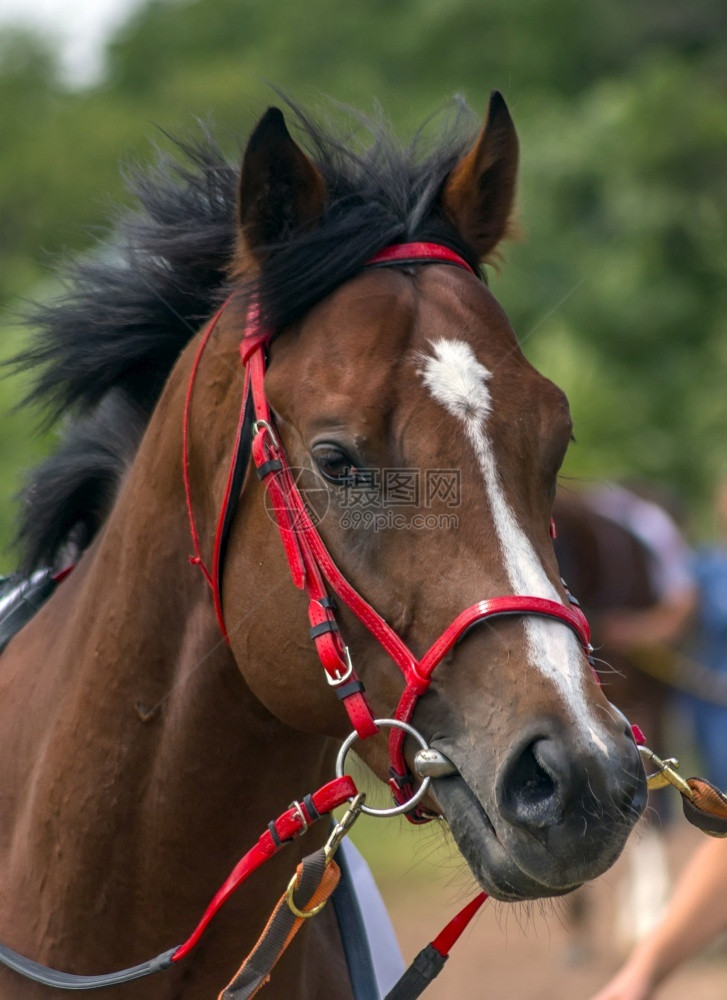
x=315, y=881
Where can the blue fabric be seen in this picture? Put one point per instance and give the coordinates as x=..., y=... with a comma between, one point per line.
x=382, y=954
x=710, y=571
x=710, y=721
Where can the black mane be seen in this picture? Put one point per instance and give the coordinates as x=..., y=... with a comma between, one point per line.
x=107, y=345
x=381, y=194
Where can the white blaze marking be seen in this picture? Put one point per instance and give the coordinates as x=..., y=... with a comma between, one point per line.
x=458, y=381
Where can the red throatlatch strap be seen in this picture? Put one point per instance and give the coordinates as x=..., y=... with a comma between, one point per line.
x=196, y=559
x=235, y=480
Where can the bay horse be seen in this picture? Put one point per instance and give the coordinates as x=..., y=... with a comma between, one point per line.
x=154, y=717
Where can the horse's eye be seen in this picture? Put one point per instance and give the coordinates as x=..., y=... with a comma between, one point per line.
x=334, y=464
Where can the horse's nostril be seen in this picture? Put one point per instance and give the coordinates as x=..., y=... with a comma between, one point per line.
x=530, y=789
x=547, y=783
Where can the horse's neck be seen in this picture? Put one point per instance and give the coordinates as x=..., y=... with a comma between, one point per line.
x=148, y=767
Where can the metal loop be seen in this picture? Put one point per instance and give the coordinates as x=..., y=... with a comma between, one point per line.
x=665, y=774
x=420, y=792
x=301, y=914
x=260, y=424
x=304, y=824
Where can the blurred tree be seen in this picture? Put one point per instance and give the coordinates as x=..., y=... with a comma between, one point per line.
x=28, y=92
x=618, y=291
x=631, y=178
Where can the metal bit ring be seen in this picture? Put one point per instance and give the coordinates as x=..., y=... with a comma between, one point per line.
x=418, y=794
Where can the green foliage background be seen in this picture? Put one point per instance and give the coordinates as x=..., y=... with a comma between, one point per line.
x=618, y=291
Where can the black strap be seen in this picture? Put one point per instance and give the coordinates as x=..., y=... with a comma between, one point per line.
x=310, y=808
x=353, y=935
x=346, y=690
x=66, y=981
x=241, y=461
x=425, y=967
x=324, y=627
x=274, y=465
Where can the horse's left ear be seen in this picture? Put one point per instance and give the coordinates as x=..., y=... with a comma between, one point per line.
x=280, y=188
x=479, y=193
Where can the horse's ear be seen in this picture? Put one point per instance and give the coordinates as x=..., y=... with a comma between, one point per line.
x=479, y=193
x=280, y=189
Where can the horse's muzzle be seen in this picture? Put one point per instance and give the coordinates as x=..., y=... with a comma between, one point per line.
x=556, y=813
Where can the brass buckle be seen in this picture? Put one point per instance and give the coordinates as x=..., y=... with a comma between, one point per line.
x=340, y=830
x=665, y=773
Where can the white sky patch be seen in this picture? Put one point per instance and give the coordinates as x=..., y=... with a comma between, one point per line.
x=79, y=28
x=458, y=381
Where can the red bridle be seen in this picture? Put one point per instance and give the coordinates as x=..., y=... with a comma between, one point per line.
x=311, y=566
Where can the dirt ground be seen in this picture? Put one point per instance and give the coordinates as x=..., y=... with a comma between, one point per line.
x=519, y=953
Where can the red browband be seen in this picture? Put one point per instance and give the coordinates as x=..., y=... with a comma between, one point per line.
x=314, y=571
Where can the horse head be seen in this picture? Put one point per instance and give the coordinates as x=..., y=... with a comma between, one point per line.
x=426, y=448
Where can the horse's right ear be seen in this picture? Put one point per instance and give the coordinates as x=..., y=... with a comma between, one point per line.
x=280, y=188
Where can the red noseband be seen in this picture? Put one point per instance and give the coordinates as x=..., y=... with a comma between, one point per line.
x=311, y=566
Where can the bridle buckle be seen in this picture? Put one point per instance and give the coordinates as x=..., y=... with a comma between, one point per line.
x=261, y=425
x=340, y=677
x=299, y=814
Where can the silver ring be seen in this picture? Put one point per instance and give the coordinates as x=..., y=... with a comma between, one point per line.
x=418, y=794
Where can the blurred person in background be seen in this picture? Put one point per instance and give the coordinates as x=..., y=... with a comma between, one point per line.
x=672, y=580
x=697, y=911
x=634, y=637
x=695, y=916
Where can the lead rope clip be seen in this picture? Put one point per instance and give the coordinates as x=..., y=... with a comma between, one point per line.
x=665, y=773
x=342, y=827
x=339, y=831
